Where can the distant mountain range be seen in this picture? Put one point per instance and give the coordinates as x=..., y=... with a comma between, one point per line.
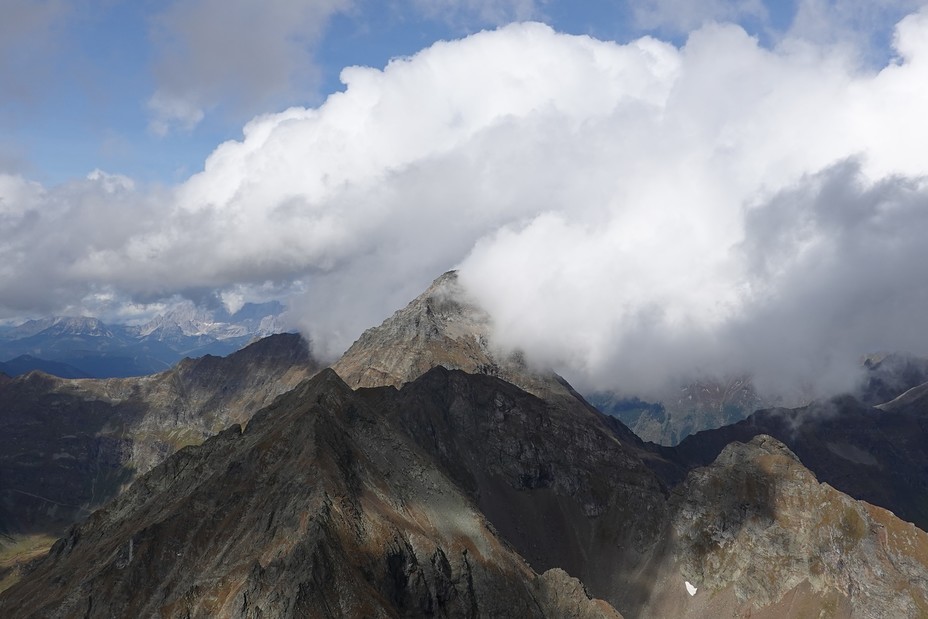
x=708, y=404
x=81, y=346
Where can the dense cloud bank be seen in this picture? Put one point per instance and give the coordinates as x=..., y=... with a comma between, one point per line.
x=627, y=212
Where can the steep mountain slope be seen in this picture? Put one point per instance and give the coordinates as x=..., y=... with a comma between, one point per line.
x=341, y=503
x=70, y=445
x=540, y=472
x=758, y=536
x=442, y=327
x=870, y=454
x=555, y=482
x=319, y=509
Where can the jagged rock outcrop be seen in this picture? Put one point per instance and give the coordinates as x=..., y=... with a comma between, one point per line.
x=318, y=509
x=68, y=446
x=443, y=327
x=876, y=454
x=555, y=482
x=440, y=327
x=759, y=536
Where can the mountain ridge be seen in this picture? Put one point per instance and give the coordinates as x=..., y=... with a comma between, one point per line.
x=445, y=561
x=484, y=488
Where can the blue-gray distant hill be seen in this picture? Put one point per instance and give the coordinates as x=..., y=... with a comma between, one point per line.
x=82, y=346
x=24, y=364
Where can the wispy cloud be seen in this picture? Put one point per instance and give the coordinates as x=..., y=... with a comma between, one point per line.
x=470, y=13
x=27, y=43
x=238, y=54
x=683, y=16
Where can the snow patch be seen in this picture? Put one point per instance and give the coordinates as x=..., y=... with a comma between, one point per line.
x=690, y=588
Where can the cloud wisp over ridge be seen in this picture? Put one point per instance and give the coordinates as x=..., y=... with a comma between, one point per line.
x=627, y=212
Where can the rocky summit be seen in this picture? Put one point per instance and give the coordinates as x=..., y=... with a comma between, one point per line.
x=872, y=453
x=429, y=474
x=755, y=534
x=441, y=327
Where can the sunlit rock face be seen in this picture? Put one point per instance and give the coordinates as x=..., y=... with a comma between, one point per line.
x=440, y=327
x=756, y=533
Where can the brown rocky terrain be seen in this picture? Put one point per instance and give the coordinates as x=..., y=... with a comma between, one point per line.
x=556, y=483
x=875, y=454
x=759, y=536
x=477, y=487
x=443, y=327
x=440, y=327
x=69, y=446
x=318, y=509
x=424, y=501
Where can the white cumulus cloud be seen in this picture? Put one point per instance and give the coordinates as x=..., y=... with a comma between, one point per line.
x=627, y=212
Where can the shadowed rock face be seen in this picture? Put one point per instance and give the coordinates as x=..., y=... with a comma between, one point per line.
x=442, y=327
x=555, y=482
x=520, y=460
x=68, y=446
x=320, y=508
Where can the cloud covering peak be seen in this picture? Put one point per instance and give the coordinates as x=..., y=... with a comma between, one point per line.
x=627, y=212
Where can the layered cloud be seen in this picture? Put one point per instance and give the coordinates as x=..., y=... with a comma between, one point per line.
x=236, y=53
x=627, y=213
x=27, y=34
x=493, y=12
x=681, y=16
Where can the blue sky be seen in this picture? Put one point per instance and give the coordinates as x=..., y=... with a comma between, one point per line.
x=632, y=189
x=78, y=76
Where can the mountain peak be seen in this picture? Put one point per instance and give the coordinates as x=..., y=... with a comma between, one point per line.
x=439, y=327
x=756, y=529
x=61, y=326
x=445, y=327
